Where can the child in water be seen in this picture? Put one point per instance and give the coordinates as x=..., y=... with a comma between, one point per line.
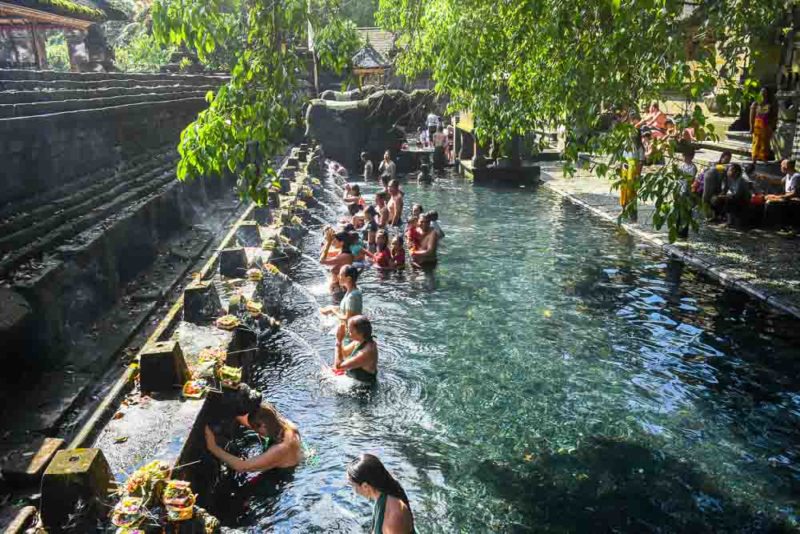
x=398, y=252
x=412, y=233
x=382, y=258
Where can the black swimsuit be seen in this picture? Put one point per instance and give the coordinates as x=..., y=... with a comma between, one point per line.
x=360, y=374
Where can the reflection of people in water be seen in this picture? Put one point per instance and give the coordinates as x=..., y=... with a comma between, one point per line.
x=284, y=447
x=425, y=252
x=392, y=512
x=360, y=357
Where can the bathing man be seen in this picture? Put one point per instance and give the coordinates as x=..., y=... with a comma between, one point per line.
x=425, y=254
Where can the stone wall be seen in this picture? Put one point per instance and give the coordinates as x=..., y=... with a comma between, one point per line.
x=88, y=194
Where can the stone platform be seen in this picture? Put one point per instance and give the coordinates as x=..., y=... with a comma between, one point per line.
x=762, y=262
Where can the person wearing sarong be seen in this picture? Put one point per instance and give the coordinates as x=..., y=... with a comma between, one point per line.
x=631, y=170
x=761, y=126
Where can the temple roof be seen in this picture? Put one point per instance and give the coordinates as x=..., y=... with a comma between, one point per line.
x=60, y=11
x=381, y=40
x=369, y=58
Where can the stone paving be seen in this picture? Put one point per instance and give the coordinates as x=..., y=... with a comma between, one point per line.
x=761, y=262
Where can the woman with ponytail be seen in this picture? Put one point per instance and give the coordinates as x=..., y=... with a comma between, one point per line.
x=392, y=512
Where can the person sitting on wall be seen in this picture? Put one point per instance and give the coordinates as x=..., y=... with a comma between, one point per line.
x=369, y=169
x=282, y=447
x=425, y=254
x=655, y=119
x=790, y=182
x=735, y=197
x=777, y=208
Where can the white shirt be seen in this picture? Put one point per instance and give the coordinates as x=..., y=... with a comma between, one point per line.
x=792, y=182
x=433, y=120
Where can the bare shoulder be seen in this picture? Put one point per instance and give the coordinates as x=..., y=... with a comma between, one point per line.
x=397, y=519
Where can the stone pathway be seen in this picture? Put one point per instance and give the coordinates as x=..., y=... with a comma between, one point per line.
x=763, y=263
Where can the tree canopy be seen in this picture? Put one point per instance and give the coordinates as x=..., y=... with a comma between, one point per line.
x=249, y=118
x=534, y=64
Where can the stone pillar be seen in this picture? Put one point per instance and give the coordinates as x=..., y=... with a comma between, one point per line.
x=456, y=142
x=516, y=151
x=479, y=155
x=76, y=46
x=39, y=47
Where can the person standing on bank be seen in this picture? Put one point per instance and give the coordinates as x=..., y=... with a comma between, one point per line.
x=369, y=169
x=388, y=169
x=392, y=511
x=762, y=121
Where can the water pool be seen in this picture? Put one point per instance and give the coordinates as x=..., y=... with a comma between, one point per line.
x=550, y=375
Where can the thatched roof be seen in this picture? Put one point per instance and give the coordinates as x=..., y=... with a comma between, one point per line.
x=369, y=58
x=381, y=40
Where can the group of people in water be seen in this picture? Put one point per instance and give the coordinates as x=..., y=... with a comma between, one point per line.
x=372, y=234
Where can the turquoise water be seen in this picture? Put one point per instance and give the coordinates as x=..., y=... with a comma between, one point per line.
x=550, y=375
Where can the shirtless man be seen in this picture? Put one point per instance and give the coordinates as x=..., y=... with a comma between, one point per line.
x=426, y=252
x=395, y=203
x=381, y=200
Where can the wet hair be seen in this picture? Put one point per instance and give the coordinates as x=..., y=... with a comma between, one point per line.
x=725, y=154
x=355, y=188
x=267, y=415
x=344, y=239
x=370, y=211
x=348, y=228
x=654, y=103
x=736, y=168
x=689, y=151
x=363, y=155
x=350, y=272
x=367, y=468
x=749, y=169
x=361, y=324
x=383, y=195
x=433, y=215
x=394, y=183
x=353, y=208
x=385, y=234
x=415, y=206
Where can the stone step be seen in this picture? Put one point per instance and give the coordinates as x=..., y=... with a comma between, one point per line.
x=12, y=210
x=45, y=108
x=50, y=95
x=53, y=85
x=736, y=147
x=102, y=182
x=46, y=236
x=740, y=137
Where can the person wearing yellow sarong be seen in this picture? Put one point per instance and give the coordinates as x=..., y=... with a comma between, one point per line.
x=632, y=168
x=761, y=126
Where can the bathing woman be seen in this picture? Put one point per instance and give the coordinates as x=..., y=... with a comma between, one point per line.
x=284, y=451
x=344, y=257
x=392, y=512
x=351, y=304
x=358, y=358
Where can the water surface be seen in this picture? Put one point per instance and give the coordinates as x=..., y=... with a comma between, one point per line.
x=550, y=375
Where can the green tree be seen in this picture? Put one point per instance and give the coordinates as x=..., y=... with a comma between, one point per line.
x=525, y=65
x=362, y=12
x=249, y=118
x=336, y=43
